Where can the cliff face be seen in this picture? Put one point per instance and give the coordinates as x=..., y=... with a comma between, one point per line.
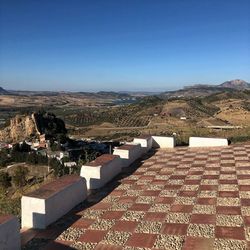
x=25, y=127
x=20, y=128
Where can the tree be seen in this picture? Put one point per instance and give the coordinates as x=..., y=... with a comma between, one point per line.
x=57, y=167
x=19, y=177
x=5, y=180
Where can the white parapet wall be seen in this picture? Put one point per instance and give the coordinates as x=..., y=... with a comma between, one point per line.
x=163, y=142
x=100, y=171
x=9, y=233
x=145, y=142
x=207, y=142
x=51, y=201
x=129, y=153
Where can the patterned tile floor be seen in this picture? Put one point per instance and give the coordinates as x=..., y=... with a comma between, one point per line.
x=183, y=198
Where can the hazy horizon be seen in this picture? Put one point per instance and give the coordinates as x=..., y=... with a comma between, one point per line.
x=112, y=45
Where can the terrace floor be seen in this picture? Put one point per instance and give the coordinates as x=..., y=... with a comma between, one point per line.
x=183, y=198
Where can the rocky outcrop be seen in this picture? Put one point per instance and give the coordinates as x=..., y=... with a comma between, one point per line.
x=25, y=127
x=20, y=128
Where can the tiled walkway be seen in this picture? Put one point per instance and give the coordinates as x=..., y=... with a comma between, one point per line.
x=196, y=199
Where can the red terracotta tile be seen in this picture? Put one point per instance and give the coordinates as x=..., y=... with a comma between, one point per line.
x=247, y=220
x=206, y=201
x=140, y=187
x=82, y=223
x=182, y=208
x=127, y=199
x=203, y=219
x=113, y=215
x=171, y=187
x=228, y=182
x=141, y=240
x=101, y=205
x=127, y=226
x=117, y=192
x=195, y=173
x=244, y=187
x=236, y=233
x=192, y=182
x=174, y=229
x=130, y=182
x=151, y=193
x=155, y=216
x=177, y=177
x=188, y=193
x=245, y=202
x=93, y=236
x=102, y=246
x=243, y=177
x=228, y=210
x=164, y=200
x=192, y=243
x=147, y=178
x=140, y=207
x=228, y=194
x=211, y=177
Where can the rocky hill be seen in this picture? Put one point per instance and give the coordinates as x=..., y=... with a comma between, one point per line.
x=30, y=126
x=3, y=91
x=236, y=84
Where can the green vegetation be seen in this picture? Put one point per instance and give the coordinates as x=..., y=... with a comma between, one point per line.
x=5, y=180
x=19, y=177
x=49, y=124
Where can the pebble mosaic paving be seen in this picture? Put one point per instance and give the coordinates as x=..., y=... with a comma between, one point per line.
x=183, y=198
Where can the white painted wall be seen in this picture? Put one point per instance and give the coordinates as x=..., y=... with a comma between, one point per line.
x=128, y=156
x=39, y=213
x=146, y=143
x=163, y=142
x=10, y=234
x=97, y=176
x=207, y=142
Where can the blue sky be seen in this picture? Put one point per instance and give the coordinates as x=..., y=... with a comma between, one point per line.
x=150, y=45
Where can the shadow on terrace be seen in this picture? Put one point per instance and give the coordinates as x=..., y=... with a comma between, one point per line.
x=45, y=239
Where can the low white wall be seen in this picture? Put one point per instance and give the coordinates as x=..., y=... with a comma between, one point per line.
x=9, y=233
x=146, y=143
x=207, y=142
x=129, y=153
x=52, y=201
x=97, y=175
x=163, y=142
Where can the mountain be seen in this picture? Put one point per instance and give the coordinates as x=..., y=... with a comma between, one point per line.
x=3, y=91
x=205, y=89
x=235, y=84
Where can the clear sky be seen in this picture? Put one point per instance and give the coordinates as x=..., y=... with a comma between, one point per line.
x=148, y=45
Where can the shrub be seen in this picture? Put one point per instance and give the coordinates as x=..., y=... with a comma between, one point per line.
x=5, y=180
x=19, y=176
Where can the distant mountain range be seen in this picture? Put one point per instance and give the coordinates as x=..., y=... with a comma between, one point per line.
x=193, y=90
x=205, y=89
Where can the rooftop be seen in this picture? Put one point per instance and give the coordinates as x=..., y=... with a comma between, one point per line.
x=182, y=198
